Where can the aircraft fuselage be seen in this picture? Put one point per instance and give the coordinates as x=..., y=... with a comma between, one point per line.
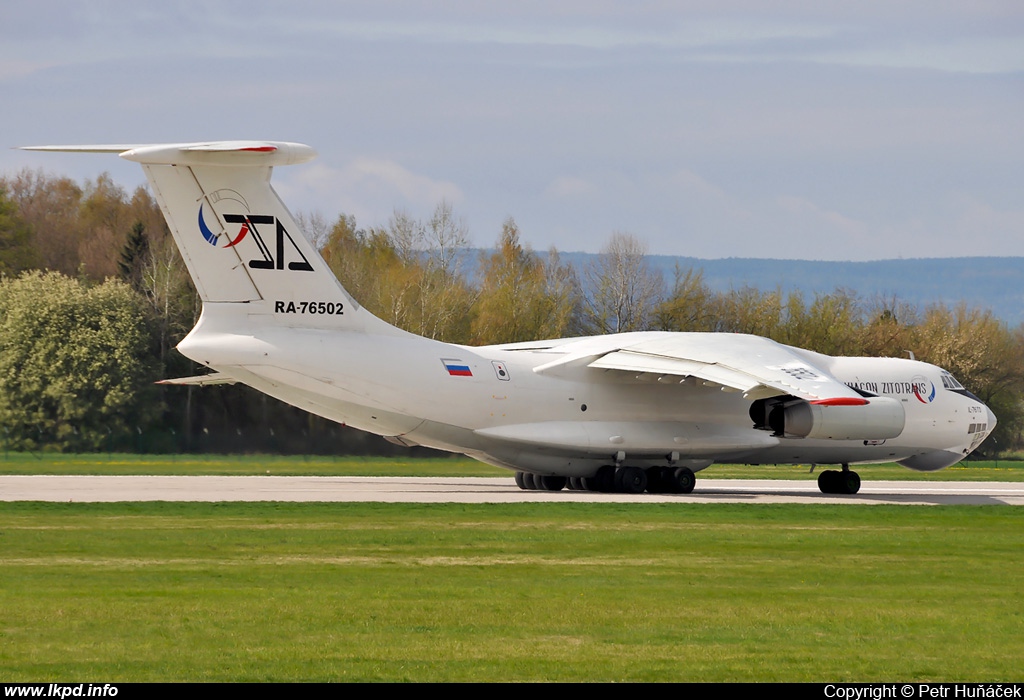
x=489, y=402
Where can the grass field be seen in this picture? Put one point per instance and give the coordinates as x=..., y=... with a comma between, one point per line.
x=524, y=592
x=48, y=463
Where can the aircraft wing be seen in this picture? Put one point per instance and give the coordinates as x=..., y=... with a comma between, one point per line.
x=201, y=380
x=759, y=367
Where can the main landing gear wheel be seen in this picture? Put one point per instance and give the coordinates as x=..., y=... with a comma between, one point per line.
x=603, y=481
x=670, y=480
x=658, y=480
x=840, y=482
x=610, y=479
x=630, y=480
x=683, y=480
x=534, y=482
x=549, y=483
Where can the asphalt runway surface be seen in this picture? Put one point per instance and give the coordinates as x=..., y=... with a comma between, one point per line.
x=398, y=489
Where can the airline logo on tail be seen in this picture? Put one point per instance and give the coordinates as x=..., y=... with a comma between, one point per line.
x=284, y=249
x=212, y=237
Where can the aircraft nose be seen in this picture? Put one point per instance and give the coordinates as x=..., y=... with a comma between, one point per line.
x=991, y=419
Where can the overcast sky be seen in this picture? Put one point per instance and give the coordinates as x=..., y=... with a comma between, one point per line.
x=811, y=130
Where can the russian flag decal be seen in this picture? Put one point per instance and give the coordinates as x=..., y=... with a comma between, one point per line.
x=457, y=368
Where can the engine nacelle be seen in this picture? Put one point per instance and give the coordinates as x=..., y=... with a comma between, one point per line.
x=875, y=418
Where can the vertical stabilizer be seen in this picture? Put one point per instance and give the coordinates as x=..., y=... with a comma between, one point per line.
x=242, y=247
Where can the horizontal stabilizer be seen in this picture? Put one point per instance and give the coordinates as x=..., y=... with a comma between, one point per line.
x=97, y=148
x=231, y=153
x=201, y=380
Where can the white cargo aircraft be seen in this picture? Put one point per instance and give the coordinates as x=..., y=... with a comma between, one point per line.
x=624, y=412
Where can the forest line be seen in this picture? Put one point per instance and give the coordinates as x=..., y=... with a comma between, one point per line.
x=94, y=296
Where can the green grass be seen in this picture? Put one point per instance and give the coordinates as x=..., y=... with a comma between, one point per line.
x=965, y=471
x=524, y=592
x=50, y=463
x=276, y=465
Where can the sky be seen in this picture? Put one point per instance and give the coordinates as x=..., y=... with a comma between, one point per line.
x=791, y=129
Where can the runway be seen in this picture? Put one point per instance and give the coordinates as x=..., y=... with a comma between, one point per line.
x=97, y=489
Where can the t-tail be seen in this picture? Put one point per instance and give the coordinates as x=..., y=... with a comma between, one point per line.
x=242, y=247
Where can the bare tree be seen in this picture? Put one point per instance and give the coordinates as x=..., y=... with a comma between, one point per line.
x=407, y=237
x=620, y=289
x=446, y=236
x=315, y=228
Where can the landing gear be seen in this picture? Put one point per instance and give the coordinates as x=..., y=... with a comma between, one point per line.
x=549, y=483
x=657, y=480
x=841, y=482
x=603, y=481
x=683, y=480
x=612, y=479
x=670, y=480
x=534, y=482
x=630, y=480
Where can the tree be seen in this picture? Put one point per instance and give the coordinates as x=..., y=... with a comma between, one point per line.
x=133, y=256
x=830, y=325
x=50, y=206
x=315, y=228
x=373, y=268
x=406, y=273
x=445, y=297
x=620, y=289
x=983, y=355
x=889, y=331
x=74, y=367
x=562, y=287
x=103, y=216
x=81, y=231
x=691, y=306
x=749, y=310
x=16, y=250
x=520, y=298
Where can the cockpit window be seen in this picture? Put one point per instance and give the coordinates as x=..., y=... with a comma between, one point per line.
x=950, y=382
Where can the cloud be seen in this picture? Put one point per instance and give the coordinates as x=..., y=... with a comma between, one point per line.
x=979, y=228
x=693, y=185
x=568, y=186
x=386, y=174
x=822, y=233
x=368, y=188
x=14, y=68
x=811, y=212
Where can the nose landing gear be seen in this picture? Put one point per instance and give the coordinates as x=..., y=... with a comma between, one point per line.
x=841, y=482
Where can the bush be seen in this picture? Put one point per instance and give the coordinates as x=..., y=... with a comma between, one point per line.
x=73, y=362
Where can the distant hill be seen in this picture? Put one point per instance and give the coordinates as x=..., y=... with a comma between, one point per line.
x=986, y=283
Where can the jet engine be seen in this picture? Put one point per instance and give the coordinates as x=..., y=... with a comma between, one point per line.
x=875, y=418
